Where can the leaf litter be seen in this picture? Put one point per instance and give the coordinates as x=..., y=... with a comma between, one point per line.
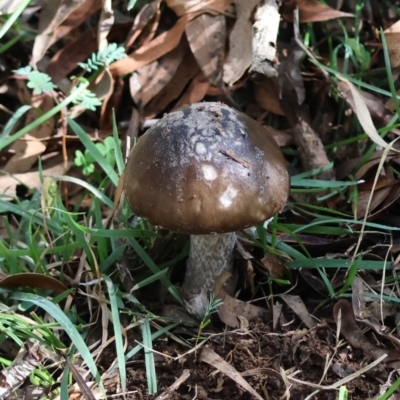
x=279, y=333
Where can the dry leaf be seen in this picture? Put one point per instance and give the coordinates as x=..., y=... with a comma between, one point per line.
x=196, y=91
x=105, y=24
x=311, y=11
x=206, y=37
x=392, y=36
x=266, y=97
x=182, y=7
x=52, y=15
x=162, y=44
x=275, y=267
x=212, y=358
x=30, y=147
x=9, y=6
x=145, y=15
x=361, y=110
x=33, y=280
x=349, y=329
x=9, y=183
x=240, y=42
x=297, y=305
x=65, y=60
x=186, y=71
x=233, y=311
x=149, y=80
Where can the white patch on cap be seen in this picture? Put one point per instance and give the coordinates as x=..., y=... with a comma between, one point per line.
x=200, y=148
x=228, y=196
x=209, y=172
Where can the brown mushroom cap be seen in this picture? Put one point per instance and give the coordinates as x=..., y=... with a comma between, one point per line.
x=206, y=168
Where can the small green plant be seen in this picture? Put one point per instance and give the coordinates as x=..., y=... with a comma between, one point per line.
x=38, y=81
x=111, y=53
x=212, y=308
x=86, y=160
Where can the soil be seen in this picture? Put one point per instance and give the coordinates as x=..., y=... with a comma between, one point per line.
x=264, y=359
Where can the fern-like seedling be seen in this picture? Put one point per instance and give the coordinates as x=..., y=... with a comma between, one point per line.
x=86, y=99
x=38, y=81
x=112, y=53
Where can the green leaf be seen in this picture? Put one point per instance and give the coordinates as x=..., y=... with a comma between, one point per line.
x=40, y=82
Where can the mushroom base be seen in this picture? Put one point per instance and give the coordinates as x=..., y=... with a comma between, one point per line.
x=209, y=257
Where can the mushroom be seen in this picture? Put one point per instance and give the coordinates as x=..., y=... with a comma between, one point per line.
x=206, y=170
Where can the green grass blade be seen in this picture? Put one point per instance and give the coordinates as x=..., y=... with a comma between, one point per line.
x=68, y=327
x=149, y=358
x=119, y=346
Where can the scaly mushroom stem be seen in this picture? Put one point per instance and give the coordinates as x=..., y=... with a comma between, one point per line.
x=209, y=257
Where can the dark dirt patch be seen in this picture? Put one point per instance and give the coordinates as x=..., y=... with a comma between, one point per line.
x=301, y=353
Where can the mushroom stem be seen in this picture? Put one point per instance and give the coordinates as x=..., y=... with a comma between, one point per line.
x=209, y=257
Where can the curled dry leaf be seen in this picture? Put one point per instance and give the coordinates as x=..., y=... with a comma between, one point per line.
x=350, y=330
x=240, y=42
x=206, y=37
x=311, y=11
x=162, y=44
x=365, y=314
x=233, y=311
x=33, y=280
x=210, y=357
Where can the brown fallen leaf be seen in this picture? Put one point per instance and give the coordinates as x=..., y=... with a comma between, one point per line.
x=275, y=267
x=212, y=358
x=350, y=330
x=75, y=19
x=52, y=15
x=149, y=80
x=206, y=37
x=310, y=11
x=240, y=42
x=33, y=280
x=266, y=96
x=195, y=92
x=31, y=146
x=233, y=311
x=186, y=71
x=297, y=305
x=392, y=36
x=144, y=16
x=66, y=59
x=162, y=44
x=182, y=7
